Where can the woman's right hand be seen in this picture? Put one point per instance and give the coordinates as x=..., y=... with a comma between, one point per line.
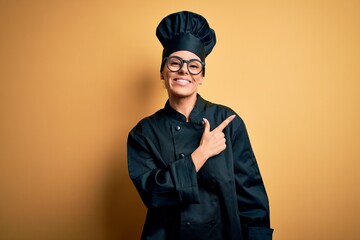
x=211, y=144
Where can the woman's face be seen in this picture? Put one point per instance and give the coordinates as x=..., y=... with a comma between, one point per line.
x=181, y=84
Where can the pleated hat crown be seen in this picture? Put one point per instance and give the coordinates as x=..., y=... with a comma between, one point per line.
x=186, y=31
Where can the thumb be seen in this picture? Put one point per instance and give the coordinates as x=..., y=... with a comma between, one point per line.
x=206, y=125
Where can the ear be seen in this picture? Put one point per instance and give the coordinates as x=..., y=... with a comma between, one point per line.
x=161, y=76
x=201, y=80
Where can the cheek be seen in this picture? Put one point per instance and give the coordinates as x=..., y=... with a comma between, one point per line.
x=165, y=75
x=199, y=79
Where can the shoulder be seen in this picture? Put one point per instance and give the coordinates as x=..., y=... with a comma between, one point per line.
x=217, y=113
x=147, y=123
x=220, y=110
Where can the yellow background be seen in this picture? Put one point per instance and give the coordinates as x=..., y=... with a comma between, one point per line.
x=76, y=76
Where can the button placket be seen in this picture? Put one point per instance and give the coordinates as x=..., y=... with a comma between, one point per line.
x=177, y=139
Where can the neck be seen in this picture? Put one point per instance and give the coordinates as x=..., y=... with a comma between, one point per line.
x=183, y=105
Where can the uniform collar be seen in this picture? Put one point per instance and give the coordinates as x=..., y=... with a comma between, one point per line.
x=195, y=115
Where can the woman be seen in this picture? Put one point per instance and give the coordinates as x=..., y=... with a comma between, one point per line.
x=192, y=162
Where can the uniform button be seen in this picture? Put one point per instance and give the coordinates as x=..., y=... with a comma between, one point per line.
x=177, y=128
x=188, y=224
x=181, y=155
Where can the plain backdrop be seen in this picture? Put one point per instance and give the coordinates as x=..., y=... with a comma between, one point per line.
x=76, y=76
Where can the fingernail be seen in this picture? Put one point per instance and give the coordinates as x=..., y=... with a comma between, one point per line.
x=203, y=121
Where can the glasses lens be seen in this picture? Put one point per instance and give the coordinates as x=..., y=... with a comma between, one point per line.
x=174, y=64
x=195, y=66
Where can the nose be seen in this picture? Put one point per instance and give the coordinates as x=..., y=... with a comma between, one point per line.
x=184, y=68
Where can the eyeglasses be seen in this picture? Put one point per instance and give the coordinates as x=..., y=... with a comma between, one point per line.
x=175, y=63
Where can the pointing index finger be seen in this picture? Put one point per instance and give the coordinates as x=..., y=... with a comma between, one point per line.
x=224, y=124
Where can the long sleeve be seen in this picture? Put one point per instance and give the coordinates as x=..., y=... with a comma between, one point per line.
x=160, y=183
x=252, y=199
x=226, y=199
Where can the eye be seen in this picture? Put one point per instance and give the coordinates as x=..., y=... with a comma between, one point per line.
x=174, y=63
x=194, y=66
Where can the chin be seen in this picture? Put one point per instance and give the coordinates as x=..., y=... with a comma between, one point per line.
x=180, y=94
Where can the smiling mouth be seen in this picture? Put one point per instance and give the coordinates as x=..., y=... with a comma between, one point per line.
x=182, y=81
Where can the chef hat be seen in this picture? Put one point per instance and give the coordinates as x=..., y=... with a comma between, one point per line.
x=186, y=31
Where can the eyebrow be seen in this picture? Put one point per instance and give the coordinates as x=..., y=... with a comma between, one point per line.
x=184, y=58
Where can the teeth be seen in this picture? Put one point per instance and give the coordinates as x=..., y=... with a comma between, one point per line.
x=182, y=80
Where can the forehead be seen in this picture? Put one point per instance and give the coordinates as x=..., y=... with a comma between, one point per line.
x=185, y=55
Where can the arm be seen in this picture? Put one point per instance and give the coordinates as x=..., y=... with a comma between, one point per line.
x=160, y=184
x=253, y=202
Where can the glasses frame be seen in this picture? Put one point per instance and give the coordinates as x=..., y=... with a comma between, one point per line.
x=182, y=61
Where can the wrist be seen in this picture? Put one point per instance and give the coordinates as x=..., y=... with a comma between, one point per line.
x=199, y=157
